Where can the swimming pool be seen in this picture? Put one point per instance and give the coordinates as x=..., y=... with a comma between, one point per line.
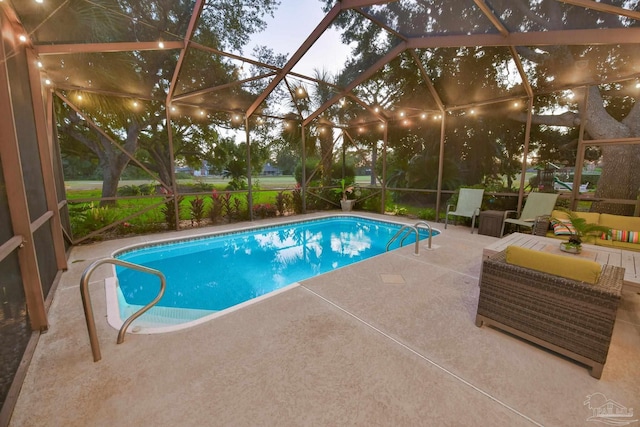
x=211, y=274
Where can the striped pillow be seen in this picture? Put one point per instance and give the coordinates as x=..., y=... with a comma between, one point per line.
x=623, y=236
x=562, y=227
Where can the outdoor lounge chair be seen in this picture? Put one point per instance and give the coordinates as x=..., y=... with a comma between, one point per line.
x=537, y=205
x=567, y=316
x=469, y=201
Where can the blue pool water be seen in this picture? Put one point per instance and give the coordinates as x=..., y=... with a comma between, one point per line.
x=220, y=271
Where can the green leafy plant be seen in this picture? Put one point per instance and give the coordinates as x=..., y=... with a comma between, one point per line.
x=169, y=211
x=427, y=214
x=345, y=189
x=215, y=213
x=196, y=210
x=296, y=197
x=579, y=228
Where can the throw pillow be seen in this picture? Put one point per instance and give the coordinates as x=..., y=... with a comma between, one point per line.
x=622, y=236
x=562, y=227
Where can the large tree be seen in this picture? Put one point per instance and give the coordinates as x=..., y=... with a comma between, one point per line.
x=466, y=75
x=223, y=25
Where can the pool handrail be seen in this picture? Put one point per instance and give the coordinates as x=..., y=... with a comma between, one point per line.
x=415, y=229
x=88, y=309
x=417, y=226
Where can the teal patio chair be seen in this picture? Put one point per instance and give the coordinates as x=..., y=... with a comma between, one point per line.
x=469, y=201
x=537, y=205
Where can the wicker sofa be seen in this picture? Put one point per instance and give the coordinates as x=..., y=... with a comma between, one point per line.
x=569, y=317
x=615, y=222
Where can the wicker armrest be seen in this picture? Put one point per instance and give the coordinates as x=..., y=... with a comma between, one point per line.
x=542, y=225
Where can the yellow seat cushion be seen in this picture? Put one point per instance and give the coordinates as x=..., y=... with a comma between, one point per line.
x=569, y=267
x=618, y=245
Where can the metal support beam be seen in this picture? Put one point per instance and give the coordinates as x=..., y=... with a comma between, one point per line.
x=249, y=171
x=383, y=202
x=302, y=50
x=440, y=165
x=577, y=169
x=46, y=159
x=303, y=188
x=525, y=153
x=17, y=198
x=596, y=37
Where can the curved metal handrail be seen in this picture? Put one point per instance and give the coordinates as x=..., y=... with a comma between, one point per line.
x=403, y=228
x=88, y=309
x=418, y=224
x=414, y=228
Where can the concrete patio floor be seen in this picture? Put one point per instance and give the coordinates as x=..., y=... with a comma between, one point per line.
x=390, y=341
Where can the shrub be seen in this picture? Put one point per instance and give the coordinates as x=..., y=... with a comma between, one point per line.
x=129, y=190
x=283, y=202
x=169, y=212
x=196, y=210
x=428, y=214
x=264, y=210
x=215, y=213
x=296, y=198
x=90, y=218
x=311, y=165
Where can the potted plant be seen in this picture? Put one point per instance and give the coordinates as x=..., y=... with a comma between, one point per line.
x=578, y=229
x=345, y=190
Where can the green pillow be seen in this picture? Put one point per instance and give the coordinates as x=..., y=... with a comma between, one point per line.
x=570, y=267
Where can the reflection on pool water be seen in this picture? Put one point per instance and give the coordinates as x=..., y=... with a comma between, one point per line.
x=213, y=273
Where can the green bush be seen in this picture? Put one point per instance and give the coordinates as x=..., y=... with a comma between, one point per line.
x=311, y=165
x=427, y=214
x=90, y=217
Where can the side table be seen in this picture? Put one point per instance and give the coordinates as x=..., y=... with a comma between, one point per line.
x=491, y=223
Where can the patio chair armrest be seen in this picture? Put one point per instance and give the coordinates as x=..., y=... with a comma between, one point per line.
x=510, y=214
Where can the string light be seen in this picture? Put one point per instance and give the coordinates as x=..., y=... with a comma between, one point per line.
x=22, y=38
x=423, y=116
x=161, y=44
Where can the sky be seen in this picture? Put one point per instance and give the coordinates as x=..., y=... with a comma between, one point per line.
x=292, y=23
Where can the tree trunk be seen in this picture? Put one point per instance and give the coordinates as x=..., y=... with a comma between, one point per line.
x=620, y=177
x=326, y=151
